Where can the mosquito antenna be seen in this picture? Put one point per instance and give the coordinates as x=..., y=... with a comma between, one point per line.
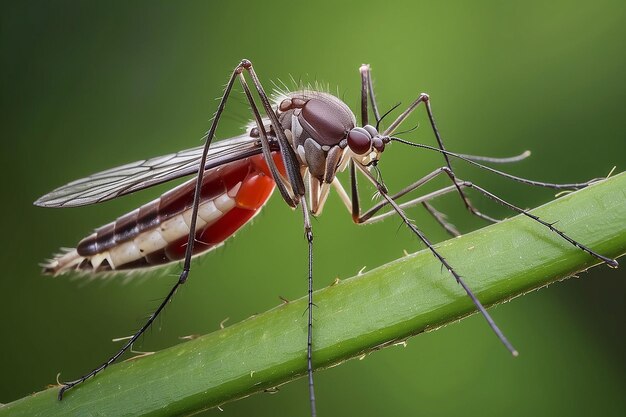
x=386, y=114
x=410, y=130
x=495, y=171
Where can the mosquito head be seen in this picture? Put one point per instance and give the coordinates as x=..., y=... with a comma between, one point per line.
x=321, y=128
x=366, y=144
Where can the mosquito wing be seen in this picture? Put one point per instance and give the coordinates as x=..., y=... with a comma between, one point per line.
x=135, y=176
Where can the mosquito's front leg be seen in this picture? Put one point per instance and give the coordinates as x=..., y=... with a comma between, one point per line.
x=367, y=90
x=425, y=100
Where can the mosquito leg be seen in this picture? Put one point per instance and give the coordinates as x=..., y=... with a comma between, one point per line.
x=410, y=203
x=425, y=99
x=370, y=88
x=492, y=160
x=423, y=200
x=468, y=205
x=345, y=198
x=190, y=242
x=370, y=217
x=286, y=193
x=441, y=219
x=308, y=231
x=297, y=185
x=610, y=262
x=365, y=74
x=431, y=118
x=367, y=89
x=360, y=218
x=287, y=152
x=383, y=192
x=367, y=216
x=472, y=160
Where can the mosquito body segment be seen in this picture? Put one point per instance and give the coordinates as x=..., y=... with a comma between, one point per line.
x=156, y=233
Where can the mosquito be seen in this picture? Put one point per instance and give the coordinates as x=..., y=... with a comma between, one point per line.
x=299, y=144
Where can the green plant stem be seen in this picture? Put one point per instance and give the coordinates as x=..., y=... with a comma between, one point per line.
x=355, y=316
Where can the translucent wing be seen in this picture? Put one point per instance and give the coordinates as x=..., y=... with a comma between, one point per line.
x=138, y=175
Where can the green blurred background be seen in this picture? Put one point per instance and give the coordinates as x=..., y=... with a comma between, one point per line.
x=88, y=86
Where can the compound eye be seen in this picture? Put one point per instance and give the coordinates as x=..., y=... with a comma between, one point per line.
x=378, y=143
x=359, y=141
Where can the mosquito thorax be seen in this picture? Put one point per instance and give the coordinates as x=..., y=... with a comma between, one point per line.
x=317, y=126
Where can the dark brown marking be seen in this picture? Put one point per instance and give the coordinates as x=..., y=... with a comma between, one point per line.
x=126, y=226
x=148, y=216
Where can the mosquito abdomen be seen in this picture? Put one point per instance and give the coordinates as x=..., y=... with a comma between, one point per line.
x=156, y=234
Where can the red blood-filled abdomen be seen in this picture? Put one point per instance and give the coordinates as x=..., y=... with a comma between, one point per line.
x=157, y=233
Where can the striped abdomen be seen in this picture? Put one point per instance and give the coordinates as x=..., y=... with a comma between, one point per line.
x=156, y=233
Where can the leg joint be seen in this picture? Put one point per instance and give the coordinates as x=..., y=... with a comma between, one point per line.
x=183, y=276
x=448, y=171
